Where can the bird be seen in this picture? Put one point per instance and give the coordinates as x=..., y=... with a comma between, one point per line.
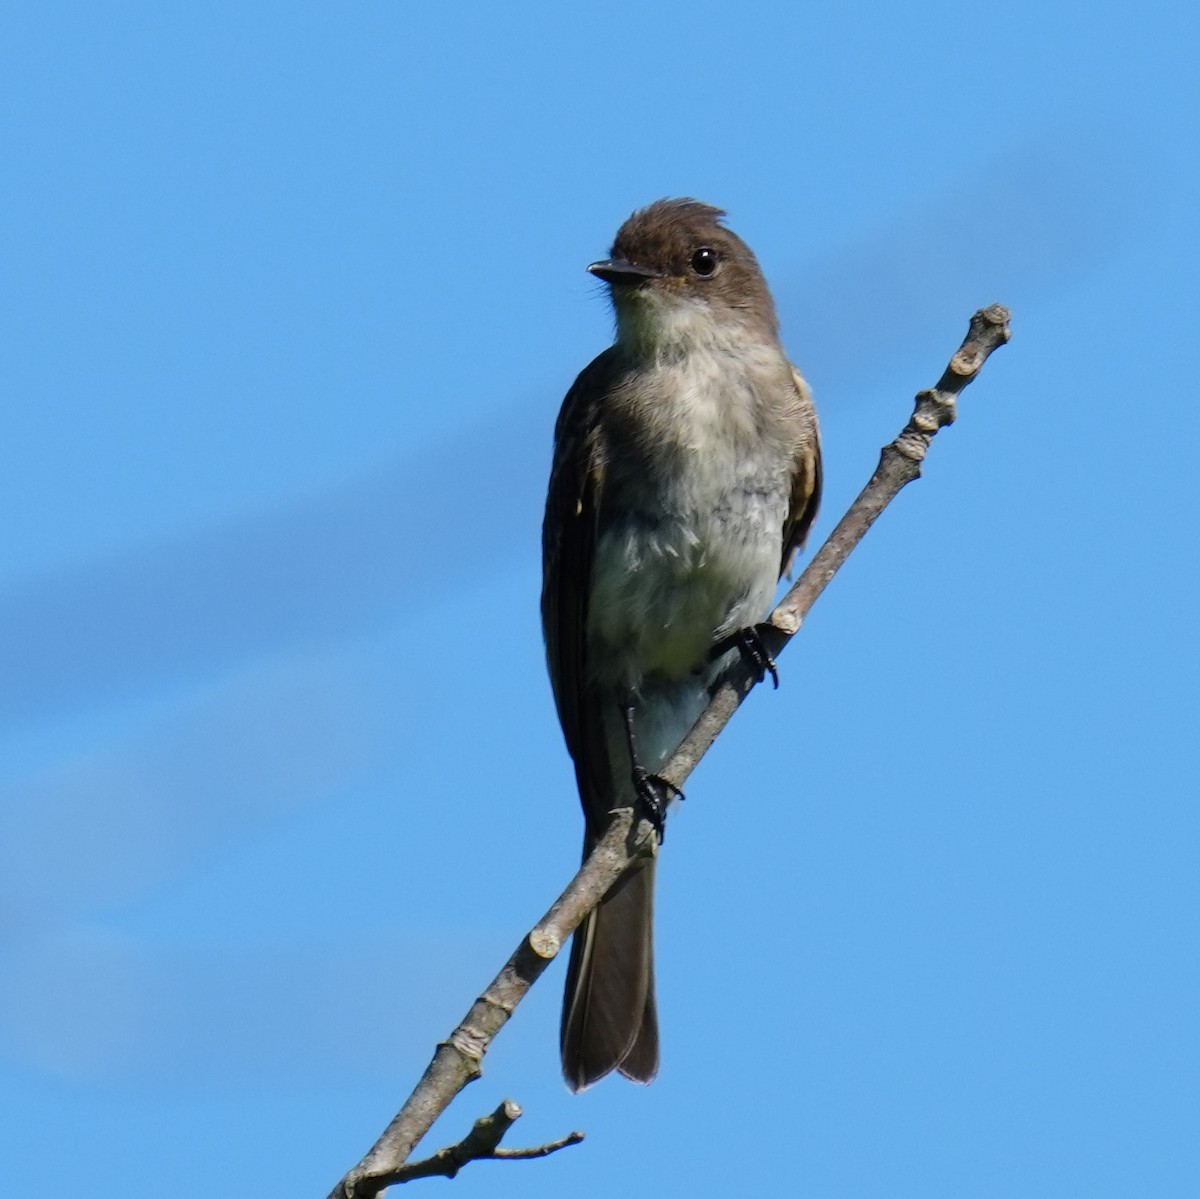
x=686, y=475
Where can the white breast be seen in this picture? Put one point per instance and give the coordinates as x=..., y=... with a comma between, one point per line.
x=699, y=557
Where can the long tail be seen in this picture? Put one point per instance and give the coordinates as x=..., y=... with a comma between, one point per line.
x=609, y=1019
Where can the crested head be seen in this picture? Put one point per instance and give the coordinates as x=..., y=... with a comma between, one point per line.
x=676, y=259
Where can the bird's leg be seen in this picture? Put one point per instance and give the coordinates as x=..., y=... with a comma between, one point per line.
x=750, y=644
x=653, y=791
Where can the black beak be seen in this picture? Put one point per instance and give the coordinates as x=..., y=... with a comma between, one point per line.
x=617, y=270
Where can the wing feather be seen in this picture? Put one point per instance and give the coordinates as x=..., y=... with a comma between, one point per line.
x=807, y=479
x=568, y=545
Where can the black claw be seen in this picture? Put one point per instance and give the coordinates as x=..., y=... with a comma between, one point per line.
x=654, y=793
x=753, y=648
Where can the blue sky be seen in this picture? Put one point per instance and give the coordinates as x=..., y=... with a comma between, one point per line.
x=291, y=296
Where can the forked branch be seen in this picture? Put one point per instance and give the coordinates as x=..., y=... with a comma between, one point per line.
x=482, y=1143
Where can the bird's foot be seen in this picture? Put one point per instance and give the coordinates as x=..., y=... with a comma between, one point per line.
x=654, y=793
x=750, y=644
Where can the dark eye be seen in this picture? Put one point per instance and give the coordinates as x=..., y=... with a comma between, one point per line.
x=705, y=260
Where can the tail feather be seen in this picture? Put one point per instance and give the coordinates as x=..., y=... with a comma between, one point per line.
x=641, y=1062
x=609, y=1021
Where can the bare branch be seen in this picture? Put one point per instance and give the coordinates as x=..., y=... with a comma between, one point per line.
x=458, y=1059
x=480, y=1144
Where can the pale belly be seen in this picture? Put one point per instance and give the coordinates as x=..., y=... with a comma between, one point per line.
x=665, y=592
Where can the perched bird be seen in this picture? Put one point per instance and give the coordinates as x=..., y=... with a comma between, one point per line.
x=687, y=472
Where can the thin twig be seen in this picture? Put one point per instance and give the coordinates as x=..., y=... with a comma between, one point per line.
x=520, y=1155
x=482, y=1143
x=457, y=1060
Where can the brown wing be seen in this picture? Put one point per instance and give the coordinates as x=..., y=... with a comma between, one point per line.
x=568, y=543
x=806, y=479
